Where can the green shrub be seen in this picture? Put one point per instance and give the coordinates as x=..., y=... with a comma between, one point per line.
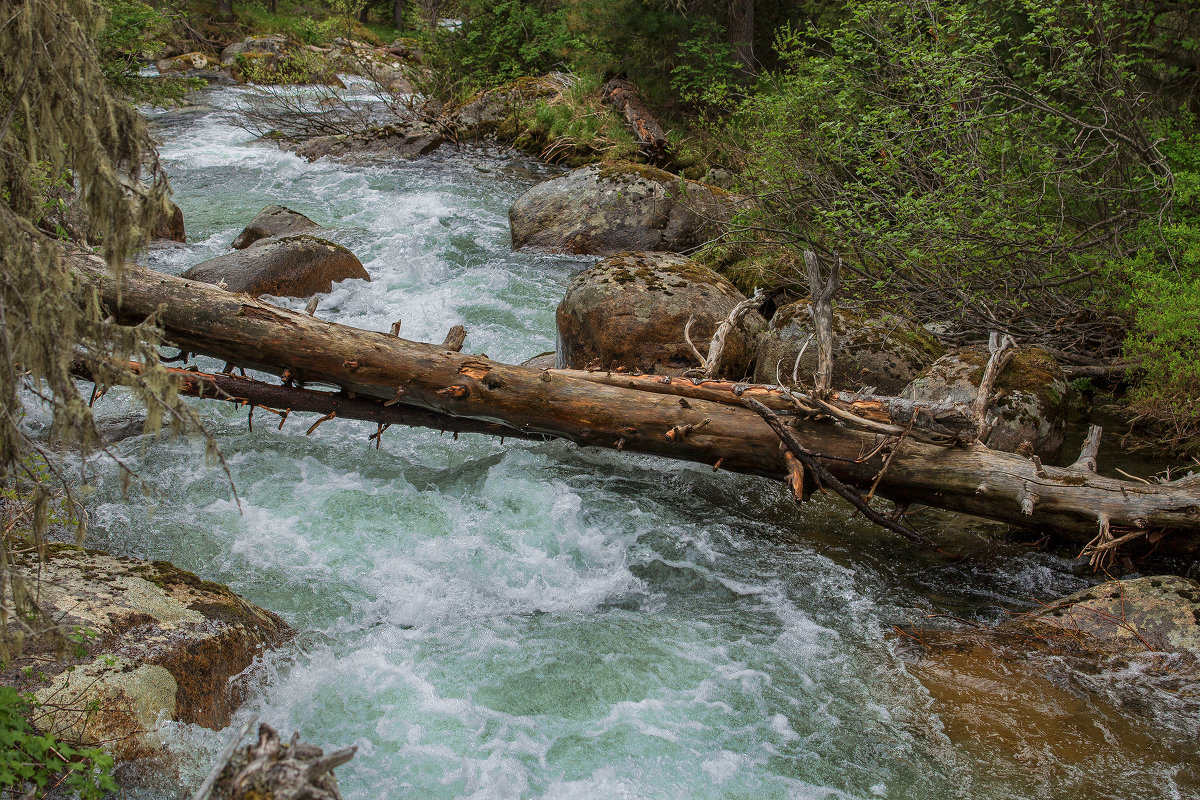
x=30, y=761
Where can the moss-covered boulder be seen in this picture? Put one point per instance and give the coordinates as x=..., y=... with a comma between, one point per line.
x=882, y=350
x=402, y=141
x=1029, y=405
x=154, y=643
x=611, y=208
x=188, y=62
x=289, y=266
x=630, y=311
x=494, y=112
x=271, y=222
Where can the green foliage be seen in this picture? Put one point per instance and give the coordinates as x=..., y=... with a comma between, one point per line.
x=574, y=127
x=131, y=31
x=975, y=156
x=1163, y=274
x=34, y=762
x=296, y=66
x=499, y=42
x=706, y=73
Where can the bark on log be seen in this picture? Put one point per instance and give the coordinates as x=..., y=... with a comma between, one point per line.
x=650, y=136
x=972, y=479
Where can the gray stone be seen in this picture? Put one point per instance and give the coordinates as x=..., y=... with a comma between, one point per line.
x=290, y=266
x=1029, y=403
x=885, y=350
x=407, y=141
x=630, y=311
x=611, y=208
x=271, y=222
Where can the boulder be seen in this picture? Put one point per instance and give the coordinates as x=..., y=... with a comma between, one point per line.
x=277, y=45
x=494, y=111
x=154, y=643
x=170, y=227
x=290, y=266
x=610, y=208
x=187, y=62
x=402, y=141
x=271, y=222
x=630, y=311
x=1029, y=404
x=541, y=361
x=1159, y=614
x=881, y=350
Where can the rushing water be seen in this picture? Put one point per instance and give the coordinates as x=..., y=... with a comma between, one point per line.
x=494, y=620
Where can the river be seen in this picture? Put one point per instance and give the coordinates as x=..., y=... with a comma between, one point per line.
x=488, y=620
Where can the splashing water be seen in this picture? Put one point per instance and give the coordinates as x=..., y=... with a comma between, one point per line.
x=537, y=620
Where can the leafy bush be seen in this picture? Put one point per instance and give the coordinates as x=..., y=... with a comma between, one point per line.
x=499, y=42
x=1164, y=300
x=33, y=761
x=706, y=73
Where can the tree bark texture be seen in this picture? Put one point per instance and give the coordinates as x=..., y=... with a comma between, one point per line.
x=201, y=318
x=741, y=33
x=650, y=136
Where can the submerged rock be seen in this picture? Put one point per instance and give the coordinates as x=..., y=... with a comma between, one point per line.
x=289, y=266
x=885, y=351
x=611, y=208
x=157, y=643
x=271, y=222
x=1029, y=404
x=630, y=311
x=407, y=141
x=1160, y=614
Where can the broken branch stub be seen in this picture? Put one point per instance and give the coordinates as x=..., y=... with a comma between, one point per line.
x=822, y=286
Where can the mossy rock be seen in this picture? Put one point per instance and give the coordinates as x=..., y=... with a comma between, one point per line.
x=630, y=311
x=1029, y=405
x=288, y=266
x=162, y=644
x=612, y=208
x=884, y=350
x=383, y=145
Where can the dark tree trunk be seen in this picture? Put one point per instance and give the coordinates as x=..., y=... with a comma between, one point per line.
x=397, y=14
x=741, y=33
x=364, y=15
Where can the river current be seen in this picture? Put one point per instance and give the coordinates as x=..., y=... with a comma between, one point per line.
x=504, y=620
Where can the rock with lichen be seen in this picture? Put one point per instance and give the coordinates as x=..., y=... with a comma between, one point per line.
x=286, y=266
x=1155, y=614
x=630, y=311
x=611, y=208
x=152, y=642
x=271, y=222
x=1029, y=404
x=400, y=141
x=882, y=350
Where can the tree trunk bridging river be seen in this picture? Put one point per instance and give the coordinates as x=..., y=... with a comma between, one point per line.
x=1073, y=501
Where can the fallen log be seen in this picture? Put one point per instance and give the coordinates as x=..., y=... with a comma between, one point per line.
x=972, y=479
x=650, y=136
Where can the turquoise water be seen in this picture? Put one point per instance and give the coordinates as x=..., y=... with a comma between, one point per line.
x=536, y=620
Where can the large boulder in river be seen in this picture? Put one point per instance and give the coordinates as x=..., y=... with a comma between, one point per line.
x=883, y=350
x=630, y=311
x=160, y=644
x=611, y=208
x=290, y=266
x=402, y=141
x=1029, y=404
x=271, y=222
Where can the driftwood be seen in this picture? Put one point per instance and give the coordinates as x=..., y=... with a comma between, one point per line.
x=271, y=769
x=650, y=136
x=382, y=368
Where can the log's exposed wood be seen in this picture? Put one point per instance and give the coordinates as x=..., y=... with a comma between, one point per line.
x=1002, y=348
x=937, y=423
x=712, y=364
x=822, y=286
x=650, y=136
x=454, y=339
x=200, y=318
